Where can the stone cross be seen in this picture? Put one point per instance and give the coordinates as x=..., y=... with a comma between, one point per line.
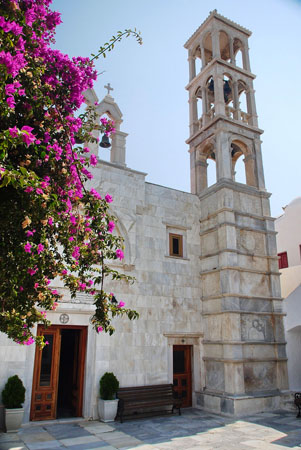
x=109, y=88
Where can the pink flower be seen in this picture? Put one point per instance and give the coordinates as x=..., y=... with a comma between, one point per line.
x=46, y=343
x=28, y=189
x=90, y=282
x=119, y=254
x=21, y=92
x=71, y=238
x=13, y=131
x=36, y=285
x=40, y=248
x=54, y=306
x=99, y=329
x=10, y=89
x=11, y=102
x=76, y=253
x=108, y=198
x=21, y=288
x=27, y=135
x=93, y=160
x=64, y=272
x=54, y=292
x=50, y=221
x=27, y=247
x=95, y=194
x=32, y=271
x=111, y=226
x=39, y=191
x=120, y=304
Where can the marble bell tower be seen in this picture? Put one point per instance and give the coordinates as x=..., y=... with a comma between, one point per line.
x=244, y=345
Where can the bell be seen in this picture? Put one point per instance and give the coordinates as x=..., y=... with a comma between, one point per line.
x=105, y=142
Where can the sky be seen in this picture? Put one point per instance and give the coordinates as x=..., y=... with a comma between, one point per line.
x=149, y=80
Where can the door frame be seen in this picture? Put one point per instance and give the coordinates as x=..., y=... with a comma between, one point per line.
x=188, y=349
x=55, y=329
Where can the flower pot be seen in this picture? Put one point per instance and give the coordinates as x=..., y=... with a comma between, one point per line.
x=107, y=410
x=13, y=419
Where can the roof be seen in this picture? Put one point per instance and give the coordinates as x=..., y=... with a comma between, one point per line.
x=215, y=14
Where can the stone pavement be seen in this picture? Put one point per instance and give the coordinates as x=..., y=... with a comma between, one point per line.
x=193, y=430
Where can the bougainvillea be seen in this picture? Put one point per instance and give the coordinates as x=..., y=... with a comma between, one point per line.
x=51, y=224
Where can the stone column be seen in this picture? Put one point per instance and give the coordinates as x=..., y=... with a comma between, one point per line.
x=203, y=57
x=118, y=148
x=191, y=61
x=232, y=59
x=219, y=102
x=236, y=100
x=223, y=156
x=201, y=175
x=193, y=114
x=204, y=105
x=251, y=105
x=215, y=45
x=245, y=57
x=259, y=164
x=250, y=167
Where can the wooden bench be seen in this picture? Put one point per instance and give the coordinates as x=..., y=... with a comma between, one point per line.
x=147, y=399
x=298, y=402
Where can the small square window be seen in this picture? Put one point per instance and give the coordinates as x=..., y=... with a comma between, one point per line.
x=176, y=245
x=282, y=261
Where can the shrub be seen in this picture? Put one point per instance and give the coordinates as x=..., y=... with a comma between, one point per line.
x=108, y=386
x=13, y=394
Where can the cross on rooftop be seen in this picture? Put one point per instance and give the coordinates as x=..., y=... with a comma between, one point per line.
x=109, y=88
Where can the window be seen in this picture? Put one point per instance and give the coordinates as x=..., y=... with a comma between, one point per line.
x=283, y=261
x=176, y=245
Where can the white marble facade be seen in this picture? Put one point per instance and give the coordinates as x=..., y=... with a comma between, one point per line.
x=222, y=297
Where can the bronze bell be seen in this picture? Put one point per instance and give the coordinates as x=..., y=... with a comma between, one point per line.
x=105, y=142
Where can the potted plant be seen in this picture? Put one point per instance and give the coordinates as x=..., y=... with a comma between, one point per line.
x=13, y=396
x=107, y=403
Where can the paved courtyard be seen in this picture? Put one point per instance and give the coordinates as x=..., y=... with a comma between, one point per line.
x=193, y=430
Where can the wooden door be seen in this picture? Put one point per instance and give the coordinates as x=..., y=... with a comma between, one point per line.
x=47, y=369
x=182, y=379
x=45, y=378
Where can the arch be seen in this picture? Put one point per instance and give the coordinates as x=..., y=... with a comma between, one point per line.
x=121, y=230
x=243, y=94
x=224, y=45
x=239, y=148
x=199, y=105
x=238, y=49
x=210, y=97
x=197, y=55
x=207, y=45
x=228, y=95
x=205, y=159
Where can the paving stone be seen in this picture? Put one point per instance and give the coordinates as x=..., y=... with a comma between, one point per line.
x=79, y=440
x=7, y=437
x=67, y=431
x=44, y=445
x=37, y=437
x=12, y=445
x=89, y=446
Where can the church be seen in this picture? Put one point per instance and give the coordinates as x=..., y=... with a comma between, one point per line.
x=207, y=281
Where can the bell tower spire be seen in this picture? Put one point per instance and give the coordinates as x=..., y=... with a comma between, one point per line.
x=244, y=346
x=222, y=110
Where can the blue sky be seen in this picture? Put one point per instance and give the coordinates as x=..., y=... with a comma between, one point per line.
x=149, y=80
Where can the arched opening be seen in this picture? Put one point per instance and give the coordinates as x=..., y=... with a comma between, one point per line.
x=198, y=96
x=243, y=164
x=243, y=102
x=238, y=53
x=224, y=45
x=228, y=96
x=207, y=44
x=104, y=153
x=210, y=97
x=211, y=170
x=206, y=172
x=198, y=60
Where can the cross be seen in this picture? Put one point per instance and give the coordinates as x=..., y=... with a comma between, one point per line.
x=109, y=88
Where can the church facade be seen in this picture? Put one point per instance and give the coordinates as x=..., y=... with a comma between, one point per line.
x=206, y=267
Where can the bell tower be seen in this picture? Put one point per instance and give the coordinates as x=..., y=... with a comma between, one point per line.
x=244, y=347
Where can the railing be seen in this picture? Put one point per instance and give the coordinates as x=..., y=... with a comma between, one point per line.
x=245, y=117
x=230, y=112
